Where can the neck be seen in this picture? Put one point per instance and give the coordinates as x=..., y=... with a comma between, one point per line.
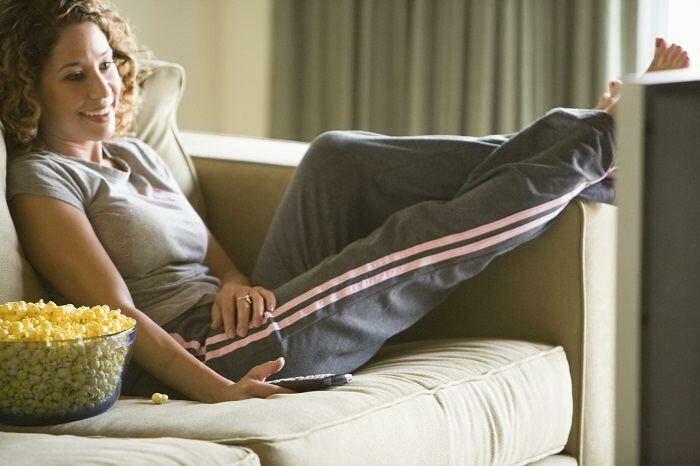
x=89, y=150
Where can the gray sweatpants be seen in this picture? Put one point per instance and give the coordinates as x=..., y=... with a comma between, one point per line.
x=375, y=231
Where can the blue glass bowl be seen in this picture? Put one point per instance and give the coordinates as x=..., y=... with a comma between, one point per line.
x=52, y=382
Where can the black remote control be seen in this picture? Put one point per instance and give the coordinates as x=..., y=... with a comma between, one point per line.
x=312, y=382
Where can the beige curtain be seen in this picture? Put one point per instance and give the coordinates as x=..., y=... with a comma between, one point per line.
x=433, y=66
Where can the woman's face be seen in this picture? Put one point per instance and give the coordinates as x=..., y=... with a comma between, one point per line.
x=79, y=88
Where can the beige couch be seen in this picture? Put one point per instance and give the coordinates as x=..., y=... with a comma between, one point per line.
x=515, y=368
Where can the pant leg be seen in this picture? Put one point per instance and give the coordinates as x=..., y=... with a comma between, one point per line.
x=349, y=183
x=336, y=315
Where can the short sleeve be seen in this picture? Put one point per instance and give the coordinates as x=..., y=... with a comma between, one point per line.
x=39, y=175
x=163, y=169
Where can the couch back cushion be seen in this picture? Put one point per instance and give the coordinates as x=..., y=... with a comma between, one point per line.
x=156, y=125
x=18, y=281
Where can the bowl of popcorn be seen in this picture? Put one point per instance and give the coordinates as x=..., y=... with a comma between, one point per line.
x=60, y=363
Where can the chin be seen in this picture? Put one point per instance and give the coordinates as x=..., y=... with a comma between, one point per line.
x=102, y=135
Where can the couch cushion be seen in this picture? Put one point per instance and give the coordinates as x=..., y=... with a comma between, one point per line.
x=556, y=460
x=451, y=401
x=156, y=124
x=17, y=278
x=68, y=450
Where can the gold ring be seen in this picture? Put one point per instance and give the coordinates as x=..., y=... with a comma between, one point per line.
x=247, y=298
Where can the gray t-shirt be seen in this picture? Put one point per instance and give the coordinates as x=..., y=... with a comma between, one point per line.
x=151, y=232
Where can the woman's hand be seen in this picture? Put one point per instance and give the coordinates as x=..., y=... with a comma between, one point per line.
x=238, y=306
x=253, y=385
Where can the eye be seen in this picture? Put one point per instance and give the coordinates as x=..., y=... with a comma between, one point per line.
x=74, y=77
x=107, y=65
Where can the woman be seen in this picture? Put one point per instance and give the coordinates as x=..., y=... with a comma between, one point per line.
x=329, y=286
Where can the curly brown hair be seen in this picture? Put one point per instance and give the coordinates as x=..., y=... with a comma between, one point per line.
x=29, y=30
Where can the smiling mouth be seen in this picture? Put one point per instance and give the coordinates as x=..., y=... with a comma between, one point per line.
x=99, y=116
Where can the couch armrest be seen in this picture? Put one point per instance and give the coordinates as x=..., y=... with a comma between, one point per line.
x=558, y=288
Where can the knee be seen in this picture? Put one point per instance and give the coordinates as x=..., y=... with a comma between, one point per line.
x=331, y=141
x=327, y=147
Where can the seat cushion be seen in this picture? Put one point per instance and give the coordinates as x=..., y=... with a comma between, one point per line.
x=450, y=401
x=556, y=460
x=69, y=450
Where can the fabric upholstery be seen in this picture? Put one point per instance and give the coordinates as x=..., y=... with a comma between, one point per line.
x=555, y=460
x=448, y=401
x=156, y=124
x=558, y=289
x=17, y=278
x=69, y=450
x=238, y=223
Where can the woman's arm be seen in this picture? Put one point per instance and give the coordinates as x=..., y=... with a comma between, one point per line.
x=58, y=240
x=220, y=264
x=238, y=304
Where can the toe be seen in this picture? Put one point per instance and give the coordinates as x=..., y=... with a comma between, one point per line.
x=661, y=44
x=604, y=102
x=673, y=53
x=680, y=58
x=614, y=87
x=683, y=60
x=678, y=63
x=660, y=49
x=665, y=57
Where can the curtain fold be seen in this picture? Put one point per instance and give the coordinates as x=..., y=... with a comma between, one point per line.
x=426, y=66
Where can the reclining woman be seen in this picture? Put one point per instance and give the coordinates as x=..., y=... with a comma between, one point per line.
x=372, y=233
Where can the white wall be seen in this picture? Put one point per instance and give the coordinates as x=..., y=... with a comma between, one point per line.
x=224, y=46
x=246, y=38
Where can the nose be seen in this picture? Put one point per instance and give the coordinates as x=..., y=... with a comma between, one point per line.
x=99, y=87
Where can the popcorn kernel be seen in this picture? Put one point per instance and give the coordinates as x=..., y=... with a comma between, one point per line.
x=159, y=398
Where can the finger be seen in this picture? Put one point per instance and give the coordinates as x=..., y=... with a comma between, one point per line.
x=258, y=309
x=264, y=370
x=228, y=317
x=215, y=316
x=259, y=389
x=270, y=300
x=242, y=316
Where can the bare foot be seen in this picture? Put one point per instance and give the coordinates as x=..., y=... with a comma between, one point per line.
x=665, y=58
x=668, y=57
x=608, y=100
